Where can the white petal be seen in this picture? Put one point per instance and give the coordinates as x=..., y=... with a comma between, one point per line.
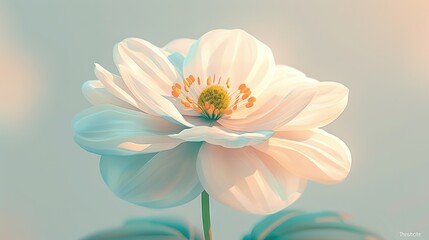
x=111, y=130
x=153, y=99
x=164, y=179
x=232, y=54
x=274, y=113
x=246, y=179
x=218, y=136
x=96, y=93
x=116, y=86
x=313, y=154
x=182, y=109
x=326, y=106
x=150, y=65
x=181, y=46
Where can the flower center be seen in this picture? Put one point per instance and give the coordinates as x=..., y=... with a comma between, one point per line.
x=215, y=100
x=212, y=98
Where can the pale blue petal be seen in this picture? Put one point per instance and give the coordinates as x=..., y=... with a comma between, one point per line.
x=149, y=229
x=111, y=130
x=177, y=60
x=160, y=180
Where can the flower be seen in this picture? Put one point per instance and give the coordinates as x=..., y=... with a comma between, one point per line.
x=297, y=225
x=216, y=114
x=159, y=228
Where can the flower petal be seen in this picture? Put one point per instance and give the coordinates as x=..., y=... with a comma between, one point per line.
x=182, y=109
x=218, y=136
x=148, y=62
x=149, y=75
x=326, y=106
x=314, y=154
x=111, y=130
x=156, y=180
x=176, y=50
x=181, y=45
x=149, y=228
x=251, y=181
x=285, y=80
x=275, y=113
x=158, y=103
x=233, y=54
x=96, y=93
x=177, y=60
x=116, y=86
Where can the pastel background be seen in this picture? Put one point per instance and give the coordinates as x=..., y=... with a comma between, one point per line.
x=52, y=189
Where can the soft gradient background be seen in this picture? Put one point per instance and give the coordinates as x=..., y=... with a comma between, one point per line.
x=51, y=189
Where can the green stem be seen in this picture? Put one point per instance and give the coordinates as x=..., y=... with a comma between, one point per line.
x=205, y=210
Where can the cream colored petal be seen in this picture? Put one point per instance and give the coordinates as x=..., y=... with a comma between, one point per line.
x=250, y=180
x=181, y=46
x=233, y=54
x=313, y=154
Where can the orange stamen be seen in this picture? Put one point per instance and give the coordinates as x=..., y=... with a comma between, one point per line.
x=241, y=87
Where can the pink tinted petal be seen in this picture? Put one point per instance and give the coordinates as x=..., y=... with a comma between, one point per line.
x=313, y=154
x=326, y=106
x=250, y=180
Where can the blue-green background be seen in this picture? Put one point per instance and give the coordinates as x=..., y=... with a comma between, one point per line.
x=52, y=189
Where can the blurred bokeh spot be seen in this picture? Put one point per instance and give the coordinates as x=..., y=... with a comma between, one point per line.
x=19, y=81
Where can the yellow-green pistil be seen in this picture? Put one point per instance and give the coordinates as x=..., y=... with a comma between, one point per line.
x=214, y=100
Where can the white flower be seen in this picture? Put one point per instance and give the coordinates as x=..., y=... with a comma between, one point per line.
x=216, y=114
